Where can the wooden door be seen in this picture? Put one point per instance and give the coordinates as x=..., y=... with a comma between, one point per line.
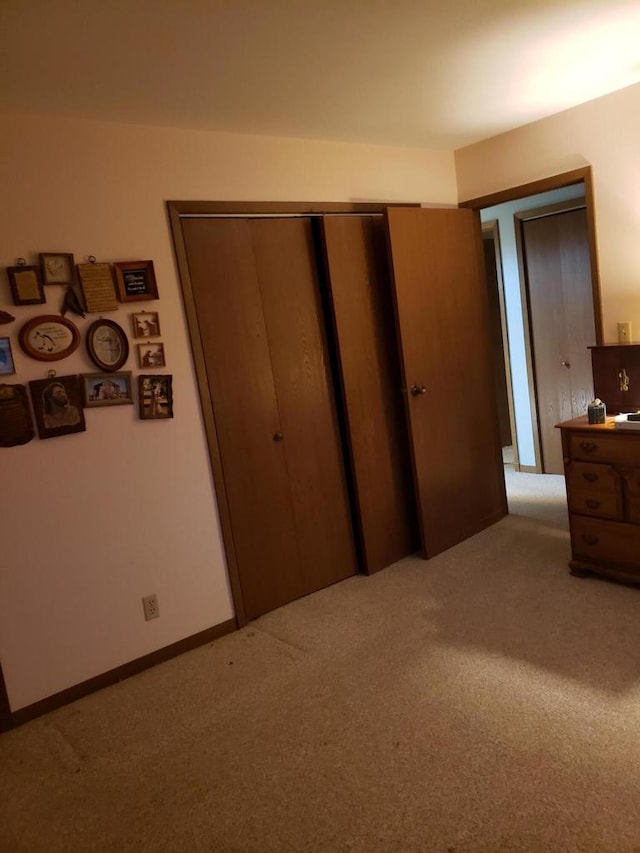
x=288, y=269
x=558, y=276
x=255, y=292
x=359, y=281
x=442, y=317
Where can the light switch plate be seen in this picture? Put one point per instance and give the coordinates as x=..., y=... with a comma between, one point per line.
x=624, y=332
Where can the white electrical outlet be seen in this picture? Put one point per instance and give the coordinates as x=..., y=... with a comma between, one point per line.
x=150, y=606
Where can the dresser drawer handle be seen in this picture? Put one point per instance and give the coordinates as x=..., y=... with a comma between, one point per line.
x=590, y=539
x=590, y=477
x=592, y=504
x=588, y=446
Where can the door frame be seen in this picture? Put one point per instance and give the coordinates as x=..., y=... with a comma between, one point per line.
x=492, y=228
x=565, y=179
x=556, y=182
x=178, y=210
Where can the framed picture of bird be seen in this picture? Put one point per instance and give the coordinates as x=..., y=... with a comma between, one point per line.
x=107, y=345
x=49, y=337
x=57, y=267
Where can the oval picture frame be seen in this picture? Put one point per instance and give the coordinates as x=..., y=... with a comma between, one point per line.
x=49, y=337
x=107, y=345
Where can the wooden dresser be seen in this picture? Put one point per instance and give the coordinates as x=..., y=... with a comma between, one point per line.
x=602, y=471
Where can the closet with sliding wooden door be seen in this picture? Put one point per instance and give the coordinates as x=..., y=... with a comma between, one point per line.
x=308, y=352
x=307, y=506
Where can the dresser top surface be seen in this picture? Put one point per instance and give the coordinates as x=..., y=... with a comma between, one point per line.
x=582, y=423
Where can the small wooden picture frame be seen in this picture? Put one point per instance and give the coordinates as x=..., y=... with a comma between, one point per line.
x=26, y=285
x=146, y=324
x=107, y=345
x=7, y=367
x=57, y=268
x=155, y=396
x=57, y=406
x=135, y=281
x=151, y=355
x=106, y=389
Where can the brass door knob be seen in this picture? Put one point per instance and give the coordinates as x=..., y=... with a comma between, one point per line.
x=417, y=390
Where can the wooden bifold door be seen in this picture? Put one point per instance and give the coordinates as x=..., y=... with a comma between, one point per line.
x=344, y=362
x=260, y=317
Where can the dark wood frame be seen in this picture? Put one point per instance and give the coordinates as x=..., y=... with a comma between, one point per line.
x=146, y=345
x=167, y=379
x=43, y=320
x=144, y=267
x=88, y=403
x=176, y=210
x=71, y=384
x=92, y=331
x=69, y=260
x=13, y=272
x=134, y=324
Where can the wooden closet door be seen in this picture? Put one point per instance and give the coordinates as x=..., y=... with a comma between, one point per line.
x=442, y=315
x=226, y=291
x=358, y=275
x=294, y=314
x=260, y=319
x=558, y=276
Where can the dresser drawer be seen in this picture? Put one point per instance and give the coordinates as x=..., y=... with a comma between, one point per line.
x=594, y=489
x=606, y=541
x=631, y=480
x=600, y=447
x=600, y=505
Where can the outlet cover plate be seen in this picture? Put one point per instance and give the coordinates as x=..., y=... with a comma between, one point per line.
x=150, y=607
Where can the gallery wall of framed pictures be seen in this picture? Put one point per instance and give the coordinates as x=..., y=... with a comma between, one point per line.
x=54, y=404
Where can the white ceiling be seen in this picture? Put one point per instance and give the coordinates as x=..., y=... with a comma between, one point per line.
x=434, y=73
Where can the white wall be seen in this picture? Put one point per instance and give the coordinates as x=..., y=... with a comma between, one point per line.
x=515, y=314
x=93, y=521
x=604, y=134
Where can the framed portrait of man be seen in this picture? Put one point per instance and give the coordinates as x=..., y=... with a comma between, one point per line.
x=57, y=405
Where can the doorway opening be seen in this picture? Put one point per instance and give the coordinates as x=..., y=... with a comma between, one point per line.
x=527, y=411
x=513, y=270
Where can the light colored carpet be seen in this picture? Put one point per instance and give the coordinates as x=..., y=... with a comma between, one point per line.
x=539, y=496
x=481, y=702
